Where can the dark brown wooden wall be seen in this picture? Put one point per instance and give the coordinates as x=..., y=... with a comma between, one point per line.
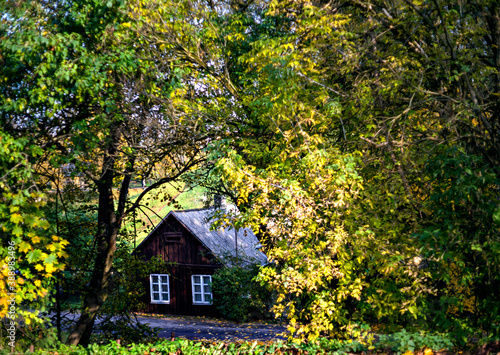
x=175, y=244
x=181, y=299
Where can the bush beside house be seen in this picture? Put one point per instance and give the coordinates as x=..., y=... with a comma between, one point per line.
x=238, y=296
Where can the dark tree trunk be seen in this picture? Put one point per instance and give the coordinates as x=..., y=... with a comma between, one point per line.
x=108, y=227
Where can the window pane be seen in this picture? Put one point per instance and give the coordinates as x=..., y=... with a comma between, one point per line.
x=197, y=297
x=164, y=296
x=164, y=279
x=208, y=298
x=197, y=288
x=206, y=289
x=154, y=278
x=156, y=287
x=156, y=296
x=196, y=279
x=206, y=280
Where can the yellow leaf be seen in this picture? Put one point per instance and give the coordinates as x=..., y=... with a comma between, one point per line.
x=50, y=268
x=62, y=254
x=39, y=267
x=38, y=283
x=36, y=239
x=24, y=247
x=16, y=218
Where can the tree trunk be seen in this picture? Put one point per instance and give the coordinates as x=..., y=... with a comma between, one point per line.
x=107, y=232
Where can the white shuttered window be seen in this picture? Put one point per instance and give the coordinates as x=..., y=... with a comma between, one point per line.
x=202, y=289
x=160, y=289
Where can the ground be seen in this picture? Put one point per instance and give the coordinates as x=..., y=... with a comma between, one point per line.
x=212, y=329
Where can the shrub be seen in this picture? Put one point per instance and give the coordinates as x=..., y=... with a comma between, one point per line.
x=38, y=334
x=238, y=296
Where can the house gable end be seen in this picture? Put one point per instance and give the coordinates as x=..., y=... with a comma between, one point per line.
x=173, y=242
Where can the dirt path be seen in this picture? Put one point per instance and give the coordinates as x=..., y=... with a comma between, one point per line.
x=197, y=328
x=211, y=329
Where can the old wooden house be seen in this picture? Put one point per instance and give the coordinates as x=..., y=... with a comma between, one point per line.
x=184, y=239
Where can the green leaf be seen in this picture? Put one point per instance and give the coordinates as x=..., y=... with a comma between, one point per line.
x=17, y=231
x=34, y=256
x=51, y=259
x=496, y=215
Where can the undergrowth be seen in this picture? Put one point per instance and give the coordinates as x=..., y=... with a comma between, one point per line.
x=398, y=343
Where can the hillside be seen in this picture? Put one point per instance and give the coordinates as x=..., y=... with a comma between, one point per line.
x=157, y=204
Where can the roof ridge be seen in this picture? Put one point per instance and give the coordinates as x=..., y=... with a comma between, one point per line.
x=199, y=209
x=192, y=209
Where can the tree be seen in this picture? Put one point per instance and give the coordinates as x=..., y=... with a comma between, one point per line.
x=328, y=276
x=394, y=82
x=77, y=85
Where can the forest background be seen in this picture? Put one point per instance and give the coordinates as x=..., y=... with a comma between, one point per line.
x=359, y=138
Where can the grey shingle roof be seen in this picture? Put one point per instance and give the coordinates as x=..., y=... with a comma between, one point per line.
x=220, y=242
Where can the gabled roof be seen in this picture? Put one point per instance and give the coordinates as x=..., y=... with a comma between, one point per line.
x=220, y=242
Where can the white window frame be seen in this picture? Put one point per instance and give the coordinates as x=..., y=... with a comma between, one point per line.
x=202, y=291
x=162, y=288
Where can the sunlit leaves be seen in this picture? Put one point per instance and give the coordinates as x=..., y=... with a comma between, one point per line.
x=26, y=240
x=317, y=268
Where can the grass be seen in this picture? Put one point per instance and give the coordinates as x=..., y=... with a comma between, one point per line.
x=156, y=204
